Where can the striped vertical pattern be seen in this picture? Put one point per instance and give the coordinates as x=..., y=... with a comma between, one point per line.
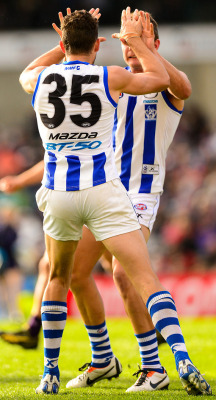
x=53, y=315
x=50, y=168
x=100, y=345
x=161, y=307
x=99, y=175
x=148, y=347
x=127, y=145
x=114, y=129
x=73, y=173
x=149, y=146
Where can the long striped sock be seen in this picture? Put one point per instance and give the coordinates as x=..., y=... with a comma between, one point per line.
x=53, y=315
x=161, y=307
x=100, y=345
x=148, y=347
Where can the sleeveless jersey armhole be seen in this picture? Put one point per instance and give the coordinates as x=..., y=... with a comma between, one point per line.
x=36, y=88
x=170, y=105
x=105, y=81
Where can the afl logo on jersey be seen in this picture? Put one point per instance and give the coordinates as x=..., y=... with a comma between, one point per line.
x=121, y=95
x=140, y=207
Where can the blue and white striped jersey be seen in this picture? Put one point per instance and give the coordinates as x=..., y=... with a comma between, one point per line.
x=144, y=127
x=75, y=114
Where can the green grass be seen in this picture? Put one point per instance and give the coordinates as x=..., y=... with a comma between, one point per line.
x=20, y=369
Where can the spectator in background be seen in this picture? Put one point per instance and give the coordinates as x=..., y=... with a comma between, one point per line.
x=10, y=275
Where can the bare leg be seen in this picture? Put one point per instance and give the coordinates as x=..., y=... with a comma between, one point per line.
x=134, y=305
x=136, y=262
x=83, y=286
x=61, y=256
x=43, y=275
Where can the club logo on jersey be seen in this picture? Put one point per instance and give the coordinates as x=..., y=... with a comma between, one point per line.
x=140, y=207
x=150, y=112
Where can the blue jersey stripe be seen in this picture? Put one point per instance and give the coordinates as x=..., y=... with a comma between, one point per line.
x=73, y=173
x=50, y=170
x=127, y=144
x=105, y=81
x=99, y=175
x=114, y=129
x=36, y=88
x=149, y=146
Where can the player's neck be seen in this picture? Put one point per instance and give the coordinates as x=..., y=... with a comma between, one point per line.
x=89, y=58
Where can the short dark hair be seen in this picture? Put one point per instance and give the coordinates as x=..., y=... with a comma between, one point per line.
x=79, y=32
x=155, y=27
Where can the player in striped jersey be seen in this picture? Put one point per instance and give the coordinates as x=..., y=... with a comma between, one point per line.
x=153, y=385
x=75, y=169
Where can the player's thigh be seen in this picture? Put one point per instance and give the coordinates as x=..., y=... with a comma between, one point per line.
x=61, y=255
x=131, y=251
x=87, y=254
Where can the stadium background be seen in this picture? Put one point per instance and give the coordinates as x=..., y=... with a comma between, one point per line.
x=183, y=243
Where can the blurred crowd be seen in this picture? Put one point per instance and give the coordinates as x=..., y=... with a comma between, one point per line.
x=25, y=14
x=184, y=235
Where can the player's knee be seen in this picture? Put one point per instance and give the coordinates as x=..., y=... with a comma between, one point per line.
x=77, y=280
x=43, y=266
x=121, y=280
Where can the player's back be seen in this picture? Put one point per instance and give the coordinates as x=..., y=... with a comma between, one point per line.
x=143, y=131
x=75, y=117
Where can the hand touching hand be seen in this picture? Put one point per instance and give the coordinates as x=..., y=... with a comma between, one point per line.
x=131, y=26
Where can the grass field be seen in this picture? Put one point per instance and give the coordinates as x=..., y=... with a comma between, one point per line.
x=20, y=369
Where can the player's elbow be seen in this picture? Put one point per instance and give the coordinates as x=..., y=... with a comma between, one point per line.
x=25, y=84
x=165, y=82
x=186, y=91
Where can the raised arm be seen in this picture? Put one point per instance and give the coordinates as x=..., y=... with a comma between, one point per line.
x=32, y=176
x=29, y=76
x=180, y=86
x=154, y=77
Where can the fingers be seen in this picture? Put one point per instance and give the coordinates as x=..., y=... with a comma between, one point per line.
x=147, y=17
x=95, y=13
x=102, y=39
x=116, y=35
x=60, y=17
x=128, y=13
x=57, y=29
x=136, y=15
x=123, y=17
x=152, y=29
x=68, y=11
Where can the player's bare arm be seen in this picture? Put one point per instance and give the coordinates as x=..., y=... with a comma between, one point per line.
x=32, y=176
x=154, y=77
x=180, y=87
x=29, y=76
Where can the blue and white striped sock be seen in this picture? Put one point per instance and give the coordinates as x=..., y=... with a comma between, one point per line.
x=161, y=307
x=148, y=348
x=100, y=345
x=53, y=315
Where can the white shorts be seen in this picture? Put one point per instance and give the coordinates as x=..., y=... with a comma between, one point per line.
x=146, y=207
x=105, y=209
